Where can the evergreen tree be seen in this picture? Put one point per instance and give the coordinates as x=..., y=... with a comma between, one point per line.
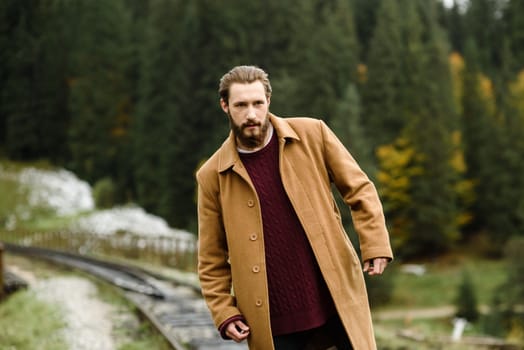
x=22, y=94
x=511, y=151
x=478, y=135
x=383, y=102
x=454, y=23
x=466, y=300
x=174, y=125
x=490, y=151
x=329, y=64
x=295, y=26
x=426, y=209
x=5, y=35
x=504, y=317
x=53, y=68
x=513, y=288
x=434, y=206
x=100, y=93
x=514, y=19
x=181, y=128
x=34, y=96
x=365, y=21
x=347, y=124
x=483, y=24
x=155, y=102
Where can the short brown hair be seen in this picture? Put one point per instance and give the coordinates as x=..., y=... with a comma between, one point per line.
x=243, y=75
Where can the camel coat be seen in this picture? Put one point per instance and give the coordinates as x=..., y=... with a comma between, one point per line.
x=231, y=242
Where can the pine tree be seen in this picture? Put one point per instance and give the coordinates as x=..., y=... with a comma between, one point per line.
x=53, y=68
x=365, y=21
x=514, y=19
x=5, y=34
x=347, y=124
x=100, y=93
x=34, y=109
x=330, y=62
x=466, y=299
x=483, y=139
x=21, y=93
x=504, y=318
x=172, y=130
x=383, y=103
x=434, y=206
x=177, y=164
x=483, y=24
x=426, y=206
x=155, y=103
x=511, y=151
x=454, y=24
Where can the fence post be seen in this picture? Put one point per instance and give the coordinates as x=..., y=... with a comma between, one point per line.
x=1, y=270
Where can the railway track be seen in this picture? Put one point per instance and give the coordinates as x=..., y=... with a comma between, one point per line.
x=176, y=310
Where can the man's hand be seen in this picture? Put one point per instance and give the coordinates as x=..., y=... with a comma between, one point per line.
x=237, y=330
x=375, y=266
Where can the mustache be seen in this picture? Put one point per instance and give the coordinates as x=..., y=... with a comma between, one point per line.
x=248, y=124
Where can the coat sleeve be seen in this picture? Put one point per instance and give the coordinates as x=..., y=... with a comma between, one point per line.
x=214, y=270
x=360, y=194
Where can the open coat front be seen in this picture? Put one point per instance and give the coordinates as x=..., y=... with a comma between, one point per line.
x=231, y=241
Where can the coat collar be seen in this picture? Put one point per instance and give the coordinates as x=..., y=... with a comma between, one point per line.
x=228, y=154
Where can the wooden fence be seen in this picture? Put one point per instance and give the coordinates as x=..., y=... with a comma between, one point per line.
x=175, y=252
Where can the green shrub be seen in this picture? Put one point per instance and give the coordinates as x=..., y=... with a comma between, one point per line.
x=104, y=193
x=505, y=318
x=466, y=301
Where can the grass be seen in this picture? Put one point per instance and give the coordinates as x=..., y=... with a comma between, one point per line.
x=138, y=336
x=27, y=323
x=439, y=285
x=436, y=289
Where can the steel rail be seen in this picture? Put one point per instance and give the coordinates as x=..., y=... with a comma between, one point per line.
x=176, y=311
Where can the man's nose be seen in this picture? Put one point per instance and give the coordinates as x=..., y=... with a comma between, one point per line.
x=251, y=113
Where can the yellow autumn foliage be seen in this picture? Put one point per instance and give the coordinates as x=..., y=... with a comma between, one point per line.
x=398, y=164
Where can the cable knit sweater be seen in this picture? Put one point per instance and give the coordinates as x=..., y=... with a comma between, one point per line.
x=298, y=296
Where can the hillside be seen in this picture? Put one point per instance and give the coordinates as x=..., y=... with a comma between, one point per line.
x=38, y=196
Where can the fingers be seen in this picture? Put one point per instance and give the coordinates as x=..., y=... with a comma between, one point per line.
x=237, y=330
x=367, y=266
x=375, y=266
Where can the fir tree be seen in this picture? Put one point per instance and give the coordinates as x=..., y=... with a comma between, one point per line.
x=514, y=19
x=427, y=211
x=466, y=299
x=383, y=104
x=100, y=92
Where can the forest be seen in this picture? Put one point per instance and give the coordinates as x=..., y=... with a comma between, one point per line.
x=428, y=98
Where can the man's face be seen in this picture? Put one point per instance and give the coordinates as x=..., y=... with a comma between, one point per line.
x=247, y=109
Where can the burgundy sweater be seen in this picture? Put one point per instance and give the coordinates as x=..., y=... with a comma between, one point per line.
x=298, y=295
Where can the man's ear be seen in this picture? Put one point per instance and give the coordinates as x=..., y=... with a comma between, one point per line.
x=224, y=105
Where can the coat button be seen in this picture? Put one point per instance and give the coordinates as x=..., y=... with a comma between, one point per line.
x=258, y=302
x=256, y=269
x=250, y=203
x=253, y=237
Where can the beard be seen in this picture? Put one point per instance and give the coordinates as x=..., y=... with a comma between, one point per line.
x=250, y=138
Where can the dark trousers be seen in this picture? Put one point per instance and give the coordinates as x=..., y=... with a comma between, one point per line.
x=329, y=336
